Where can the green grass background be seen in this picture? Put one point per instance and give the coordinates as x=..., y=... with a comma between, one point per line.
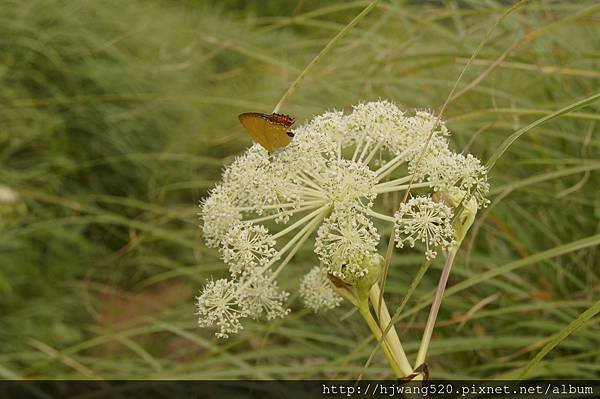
x=117, y=117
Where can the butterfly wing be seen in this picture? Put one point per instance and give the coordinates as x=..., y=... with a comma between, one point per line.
x=256, y=124
x=268, y=130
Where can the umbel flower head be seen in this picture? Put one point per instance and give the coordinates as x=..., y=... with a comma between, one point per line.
x=326, y=184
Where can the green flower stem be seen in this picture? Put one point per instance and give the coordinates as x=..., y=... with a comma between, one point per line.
x=389, y=330
x=435, y=307
x=366, y=314
x=359, y=297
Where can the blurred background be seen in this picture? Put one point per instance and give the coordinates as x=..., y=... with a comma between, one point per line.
x=116, y=117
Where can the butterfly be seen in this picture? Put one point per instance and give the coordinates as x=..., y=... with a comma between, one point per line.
x=268, y=130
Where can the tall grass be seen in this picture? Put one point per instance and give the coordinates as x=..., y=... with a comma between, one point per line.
x=116, y=117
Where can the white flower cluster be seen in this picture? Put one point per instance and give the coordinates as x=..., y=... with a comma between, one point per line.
x=422, y=219
x=317, y=291
x=347, y=243
x=224, y=302
x=327, y=181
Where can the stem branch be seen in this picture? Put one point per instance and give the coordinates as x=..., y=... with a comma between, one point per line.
x=435, y=307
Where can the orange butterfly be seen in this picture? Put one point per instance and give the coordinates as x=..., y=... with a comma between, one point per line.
x=268, y=130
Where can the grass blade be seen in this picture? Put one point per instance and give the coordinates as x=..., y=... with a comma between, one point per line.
x=561, y=336
x=513, y=137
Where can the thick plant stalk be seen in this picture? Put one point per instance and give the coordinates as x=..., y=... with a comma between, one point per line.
x=399, y=371
x=391, y=335
x=359, y=297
